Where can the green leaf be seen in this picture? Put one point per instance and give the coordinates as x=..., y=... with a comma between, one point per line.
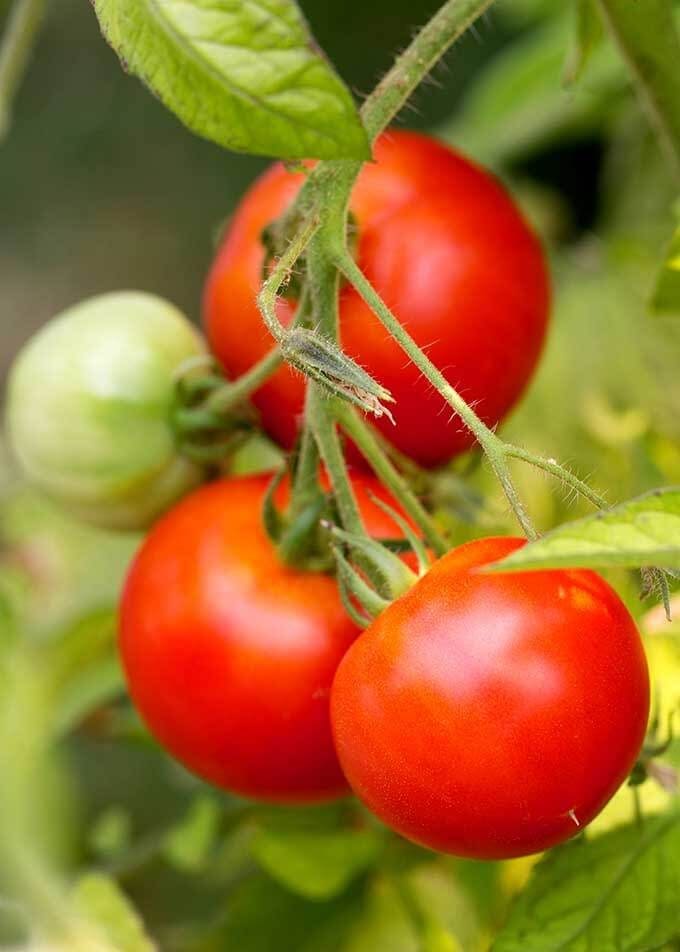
x=520, y=104
x=643, y=531
x=317, y=865
x=616, y=893
x=588, y=34
x=106, y=906
x=245, y=75
x=261, y=916
x=84, y=669
x=666, y=297
x=111, y=834
x=385, y=925
x=188, y=846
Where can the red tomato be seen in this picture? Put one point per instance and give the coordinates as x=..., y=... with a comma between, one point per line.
x=492, y=716
x=229, y=654
x=446, y=248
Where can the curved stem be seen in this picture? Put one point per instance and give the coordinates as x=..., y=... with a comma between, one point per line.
x=363, y=437
x=280, y=273
x=648, y=39
x=15, y=48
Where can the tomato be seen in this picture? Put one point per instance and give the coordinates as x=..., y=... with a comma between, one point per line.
x=448, y=251
x=492, y=716
x=230, y=654
x=89, y=402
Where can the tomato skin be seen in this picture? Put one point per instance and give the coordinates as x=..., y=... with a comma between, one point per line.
x=448, y=251
x=89, y=403
x=229, y=654
x=480, y=714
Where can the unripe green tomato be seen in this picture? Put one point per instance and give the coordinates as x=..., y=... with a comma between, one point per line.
x=89, y=404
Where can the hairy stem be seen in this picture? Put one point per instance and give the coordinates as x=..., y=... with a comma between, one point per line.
x=560, y=472
x=306, y=481
x=280, y=273
x=415, y=63
x=487, y=439
x=363, y=437
x=233, y=393
x=648, y=39
x=322, y=425
x=395, y=89
x=16, y=47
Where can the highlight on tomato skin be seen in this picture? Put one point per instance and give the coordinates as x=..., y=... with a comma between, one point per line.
x=493, y=715
x=229, y=654
x=447, y=249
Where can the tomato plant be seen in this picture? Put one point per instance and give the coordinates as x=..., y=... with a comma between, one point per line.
x=230, y=654
x=492, y=715
x=321, y=710
x=446, y=247
x=89, y=404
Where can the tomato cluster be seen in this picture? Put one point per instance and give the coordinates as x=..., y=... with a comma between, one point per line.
x=483, y=714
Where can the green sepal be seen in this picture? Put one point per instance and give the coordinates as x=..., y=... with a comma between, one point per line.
x=273, y=520
x=323, y=361
x=414, y=541
x=378, y=562
x=352, y=585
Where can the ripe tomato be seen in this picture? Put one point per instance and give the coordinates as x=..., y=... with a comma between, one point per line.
x=88, y=408
x=448, y=251
x=492, y=716
x=229, y=654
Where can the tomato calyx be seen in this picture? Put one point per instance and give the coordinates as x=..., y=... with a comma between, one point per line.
x=370, y=573
x=298, y=528
x=207, y=424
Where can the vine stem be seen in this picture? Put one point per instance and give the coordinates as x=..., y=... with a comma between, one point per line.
x=417, y=60
x=230, y=395
x=391, y=94
x=305, y=484
x=279, y=275
x=648, y=39
x=16, y=46
x=493, y=447
x=322, y=425
x=560, y=472
x=368, y=444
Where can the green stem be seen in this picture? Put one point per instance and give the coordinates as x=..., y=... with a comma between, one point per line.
x=554, y=468
x=323, y=427
x=417, y=60
x=368, y=444
x=225, y=398
x=356, y=277
x=647, y=36
x=306, y=482
x=493, y=447
x=392, y=93
x=16, y=46
x=322, y=274
x=279, y=275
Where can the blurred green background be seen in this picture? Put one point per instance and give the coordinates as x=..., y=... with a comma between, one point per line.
x=101, y=189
